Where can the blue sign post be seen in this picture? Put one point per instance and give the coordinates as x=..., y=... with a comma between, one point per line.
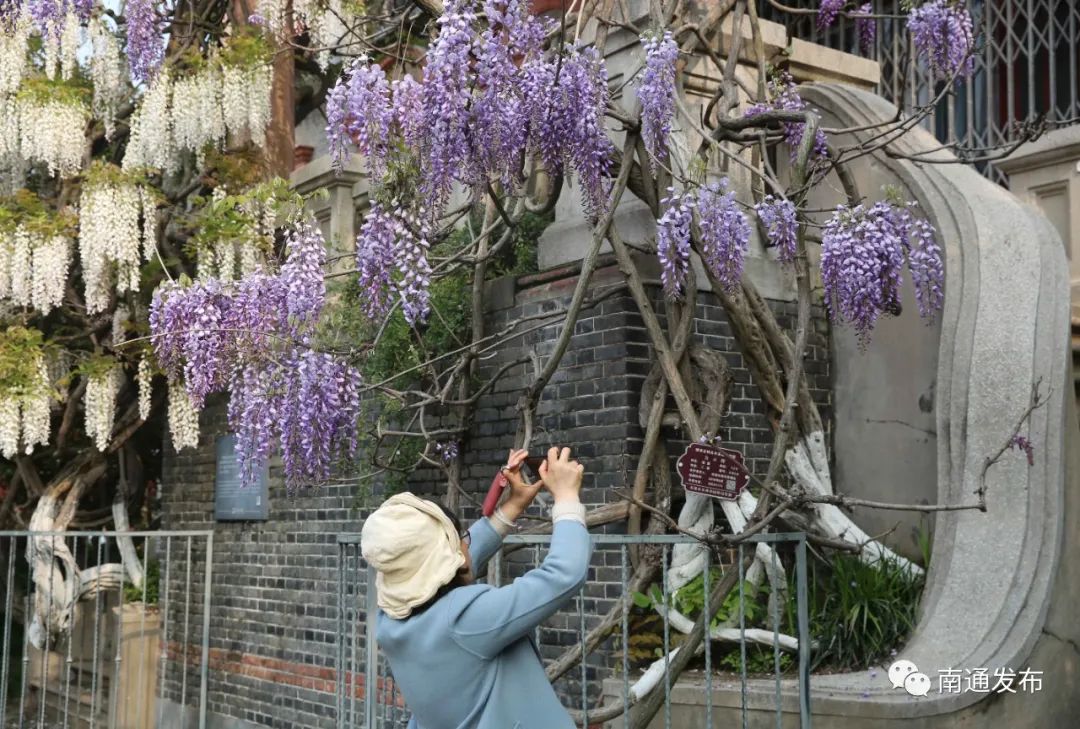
x=232, y=500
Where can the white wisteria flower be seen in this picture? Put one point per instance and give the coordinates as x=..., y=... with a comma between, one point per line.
x=21, y=268
x=52, y=132
x=197, y=110
x=107, y=74
x=99, y=402
x=112, y=238
x=143, y=379
x=150, y=142
x=24, y=413
x=245, y=97
x=183, y=418
x=9, y=426
x=51, y=261
x=35, y=411
x=13, y=55
x=70, y=40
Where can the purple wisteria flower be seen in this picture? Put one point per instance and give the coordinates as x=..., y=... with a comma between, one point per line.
x=49, y=15
x=725, y=233
x=777, y=216
x=944, y=37
x=567, y=120
x=302, y=277
x=866, y=28
x=925, y=264
x=391, y=255
x=446, y=102
x=827, y=12
x=358, y=111
x=408, y=110
x=145, y=47
x=785, y=97
x=489, y=98
x=252, y=338
x=862, y=256
x=413, y=244
x=448, y=451
x=192, y=341
x=673, y=242
x=375, y=260
x=657, y=94
x=499, y=128
x=1023, y=444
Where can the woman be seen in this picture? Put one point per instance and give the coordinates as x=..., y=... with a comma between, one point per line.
x=461, y=652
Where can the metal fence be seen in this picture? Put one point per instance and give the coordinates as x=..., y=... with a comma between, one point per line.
x=368, y=697
x=1026, y=67
x=99, y=628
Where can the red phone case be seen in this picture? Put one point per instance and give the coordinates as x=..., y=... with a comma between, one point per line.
x=494, y=493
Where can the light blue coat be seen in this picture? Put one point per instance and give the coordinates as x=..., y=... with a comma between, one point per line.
x=468, y=661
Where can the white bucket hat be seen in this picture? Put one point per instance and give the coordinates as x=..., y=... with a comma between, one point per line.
x=415, y=548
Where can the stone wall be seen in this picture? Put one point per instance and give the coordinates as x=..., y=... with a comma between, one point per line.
x=273, y=619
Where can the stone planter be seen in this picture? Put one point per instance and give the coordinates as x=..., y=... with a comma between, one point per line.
x=109, y=686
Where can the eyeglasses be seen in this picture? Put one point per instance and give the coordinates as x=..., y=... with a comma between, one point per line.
x=467, y=538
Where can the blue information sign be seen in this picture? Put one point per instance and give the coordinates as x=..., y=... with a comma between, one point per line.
x=232, y=500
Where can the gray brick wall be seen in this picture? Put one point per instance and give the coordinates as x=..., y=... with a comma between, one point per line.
x=273, y=619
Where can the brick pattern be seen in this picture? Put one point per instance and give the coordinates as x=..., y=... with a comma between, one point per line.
x=274, y=622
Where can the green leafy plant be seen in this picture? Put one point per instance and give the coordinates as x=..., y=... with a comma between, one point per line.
x=860, y=611
x=153, y=582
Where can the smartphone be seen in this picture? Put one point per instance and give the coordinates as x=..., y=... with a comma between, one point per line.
x=533, y=463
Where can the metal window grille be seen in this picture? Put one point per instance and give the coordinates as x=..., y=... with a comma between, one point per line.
x=1026, y=69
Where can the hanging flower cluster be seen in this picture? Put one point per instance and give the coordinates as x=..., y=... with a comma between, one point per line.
x=866, y=28
x=489, y=98
x=106, y=75
x=724, y=234
x=252, y=338
x=49, y=16
x=944, y=37
x=785, y=97
x=183, y=419
x=150, y=134
x=827, y=12
x=673, y=241
x=25, y=392
x=35, y=252
x=777, y=216
x=657, y=94
x=143, y=380
x=391, y=256
x=224, y=98
x=62, y=47
x=117, y=232
x=145, y=45
x=862, y=257
x=103, y=380
x=52, y=118
x=14, y=61
x=448, y=450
